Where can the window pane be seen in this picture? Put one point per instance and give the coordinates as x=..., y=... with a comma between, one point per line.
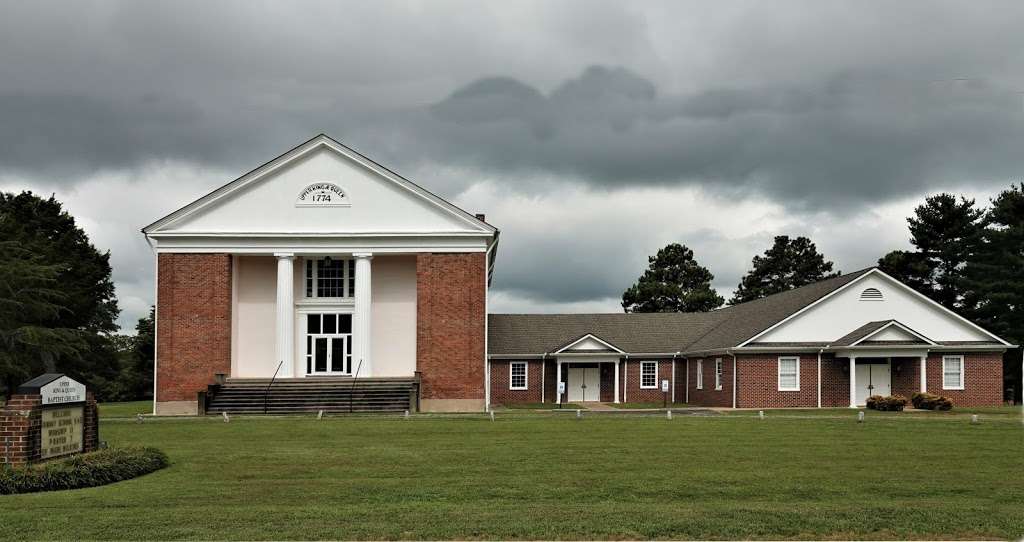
x=309, y=278
x=312, y=323
x=518, y=375
x=329, y=280
x=351, y=278
x=338, y=355
x=330, y=323
x=344, y=323
x=320, y=355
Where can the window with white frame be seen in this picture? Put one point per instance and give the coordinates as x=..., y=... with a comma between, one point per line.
x=718, y=373
x=789, y=373
x=330, y=278
x=952, y=372
x=517, y=375
x=700, y=374
x=648, y=375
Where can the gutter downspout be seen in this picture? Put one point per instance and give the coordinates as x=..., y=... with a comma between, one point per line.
x=687, y=382
x=734, y=377
x=156, y=310
x=819, y=376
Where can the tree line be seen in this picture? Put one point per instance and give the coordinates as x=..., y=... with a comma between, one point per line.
x=58, y=310
x=967, y=257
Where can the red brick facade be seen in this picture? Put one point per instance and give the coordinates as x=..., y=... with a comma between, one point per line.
x=193, y=323
x=450, y=325
x=983, y=379
x=21, y=425
x=709, y=396
x=631, y=375
x=629, y=385
x=502, y=395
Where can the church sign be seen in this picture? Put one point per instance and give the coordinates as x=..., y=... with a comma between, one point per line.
x=52, y=415
x=322, y=195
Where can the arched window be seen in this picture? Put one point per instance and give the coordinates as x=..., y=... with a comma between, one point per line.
x=871, y=294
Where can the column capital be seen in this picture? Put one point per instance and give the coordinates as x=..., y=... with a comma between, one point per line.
x=284, y=255
x=363, y=255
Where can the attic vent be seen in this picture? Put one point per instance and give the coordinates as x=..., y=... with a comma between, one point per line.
x=871, y=294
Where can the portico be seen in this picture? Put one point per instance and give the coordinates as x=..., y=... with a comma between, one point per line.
x=871, y=372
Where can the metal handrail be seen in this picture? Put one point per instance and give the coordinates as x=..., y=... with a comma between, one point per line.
x=352, y=394
x=266, y=393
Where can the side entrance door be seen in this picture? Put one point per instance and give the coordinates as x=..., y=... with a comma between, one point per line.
x=584, y=384
x=873, y=379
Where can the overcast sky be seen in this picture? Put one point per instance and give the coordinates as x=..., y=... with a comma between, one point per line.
x=592, y=133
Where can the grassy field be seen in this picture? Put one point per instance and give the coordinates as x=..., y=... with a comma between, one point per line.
x=534, y=476
x=125, y=410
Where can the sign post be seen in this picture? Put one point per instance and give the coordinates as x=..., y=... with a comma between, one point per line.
x=664, y=393
x=561, y=392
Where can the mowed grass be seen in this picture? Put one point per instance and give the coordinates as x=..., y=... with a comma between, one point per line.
x=125, y=410
x=546, y=476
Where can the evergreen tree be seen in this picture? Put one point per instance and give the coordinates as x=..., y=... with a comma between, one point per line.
x=910, y=268
x=788, y=264
x=673, y=282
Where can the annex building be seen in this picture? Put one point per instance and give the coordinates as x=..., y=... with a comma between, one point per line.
x=323, y=280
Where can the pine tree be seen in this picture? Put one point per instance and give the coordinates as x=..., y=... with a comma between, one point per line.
x=673, y=282
x=786, y=265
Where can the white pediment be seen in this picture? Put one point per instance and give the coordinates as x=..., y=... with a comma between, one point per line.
x=588, y=344
x=320, y=188
x=893, y=332
x=847, y=309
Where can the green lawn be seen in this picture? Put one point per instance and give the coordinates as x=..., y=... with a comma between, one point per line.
x=635, y=406
x=125, y=410
x=537, y=476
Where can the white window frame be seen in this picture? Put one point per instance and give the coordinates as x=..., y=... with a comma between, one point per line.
x=347, y=272
x=653, y=386
x=700, y=374
x=960, y=359
x=718, y=374
x=526, y=376
x=779, y=370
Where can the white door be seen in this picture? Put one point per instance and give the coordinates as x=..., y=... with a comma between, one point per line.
x=873, y=379
x=584, y=384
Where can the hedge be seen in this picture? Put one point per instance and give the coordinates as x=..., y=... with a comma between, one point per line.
x=86, y=470
x=891, y=402
x=930, y=401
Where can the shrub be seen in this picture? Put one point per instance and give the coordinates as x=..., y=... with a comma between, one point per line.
x=930, y=401
x=85, y=470
x=891, y=402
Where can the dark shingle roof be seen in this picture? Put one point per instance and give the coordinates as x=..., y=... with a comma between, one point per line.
x=861, y=332
x=655, y=332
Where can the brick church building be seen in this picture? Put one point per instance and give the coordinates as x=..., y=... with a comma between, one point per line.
x=323, y=273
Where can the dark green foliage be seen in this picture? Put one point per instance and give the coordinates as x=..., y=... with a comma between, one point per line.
x=946, y=231
x=930, y=401
x=788, y=264
x=85, y=470
x=673, y=282
x=891, y=403
x=68, y=329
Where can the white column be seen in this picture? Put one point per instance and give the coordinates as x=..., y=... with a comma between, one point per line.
x=924, y=373
x=558, y=380
x=853, y=382
x=361, y=317
x=285, y=344
x=617, y=362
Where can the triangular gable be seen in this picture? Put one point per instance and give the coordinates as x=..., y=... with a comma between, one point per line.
x=894, y=331
x=589, y=343
x=847, y=308
x=446, y=218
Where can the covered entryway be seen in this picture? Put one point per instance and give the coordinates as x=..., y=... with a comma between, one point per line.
x=874, y=377
x=583, y=384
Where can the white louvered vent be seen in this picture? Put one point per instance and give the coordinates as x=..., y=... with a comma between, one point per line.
x=871, y=294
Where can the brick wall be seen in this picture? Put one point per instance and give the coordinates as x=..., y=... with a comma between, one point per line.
x=500, y=392
x=630, y=372
x=21, y=424
x=193, y=323
x=906, y=376
x=758, y=384
x=835, y=381
x=450, y=320
x=983, y=379
x=709, y=396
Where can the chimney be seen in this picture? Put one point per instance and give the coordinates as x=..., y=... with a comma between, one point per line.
x=481, y=217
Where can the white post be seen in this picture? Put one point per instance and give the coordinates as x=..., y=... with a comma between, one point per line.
x=819, y=378
x=558, y=380
x=924, y=373
x=853, y=382
x=617, y=381
x=285, y=343
x=361, y=318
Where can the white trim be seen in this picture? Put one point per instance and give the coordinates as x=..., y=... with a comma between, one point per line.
x=719, y=371
x=686, y=382
x=779, y=371
x=899, y=325
x=526, y=375
x=655, y=385
x=321, y=140
x=858, y=279
x=585, y=337
x=819, y=379
x=700, y=374
x=962, y=370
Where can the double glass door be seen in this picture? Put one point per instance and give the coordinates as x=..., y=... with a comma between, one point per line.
x=329, y=344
